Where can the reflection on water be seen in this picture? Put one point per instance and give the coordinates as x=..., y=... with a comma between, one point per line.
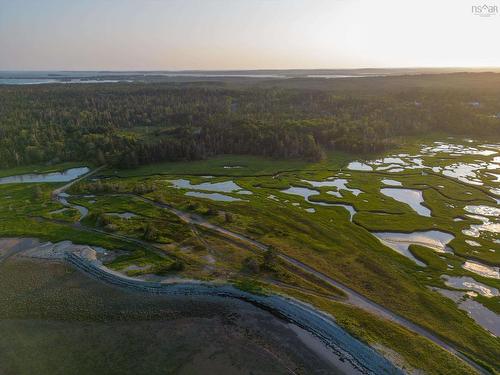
x=475, y=230
x=339, y=183
x=469, y=173
x=472, y=243
x=63, y=198
x=306, y=193
x=457, y=149
x=245, y=192
x=482, y=269
x=212, y=196
x=483, y=316
x=357, y=166
x=465, y=172
x=65, y=176
x=301, y=191
x=223, y=187
x=434, y=239
x=411, y=197
x=483, y=210
x=388, y=182
x=469, y=283
x=334, y=193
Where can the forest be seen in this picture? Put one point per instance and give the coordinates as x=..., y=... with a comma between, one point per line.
x=130, y=124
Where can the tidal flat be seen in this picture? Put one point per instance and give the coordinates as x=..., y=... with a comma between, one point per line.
x=54, y=311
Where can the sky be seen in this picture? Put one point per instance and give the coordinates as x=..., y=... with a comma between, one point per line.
x=245, y=34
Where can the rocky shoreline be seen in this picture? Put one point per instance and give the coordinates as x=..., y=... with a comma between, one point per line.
x=361, y=356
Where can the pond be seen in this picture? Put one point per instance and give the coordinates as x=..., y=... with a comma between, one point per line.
x=483, y=210
x=457, y=149
x=358, y=166
x=482, y=269
x=306, y=193
x=469, y=283
x=465, y=172
x=212, y=196
x=475, y=230
x=413, y=198
x=472, y=243
x=221, y=187
x=301, y=191
x=339, y=183
x=65, y=176
x=400, y=242
x=388, y=182
x=244, y=192
x=481, y=315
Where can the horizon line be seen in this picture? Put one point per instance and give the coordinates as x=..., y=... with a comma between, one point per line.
x=254, y=69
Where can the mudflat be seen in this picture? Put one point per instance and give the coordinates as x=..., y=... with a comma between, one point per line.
x=55, y=320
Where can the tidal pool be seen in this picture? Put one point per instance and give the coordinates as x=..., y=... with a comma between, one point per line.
x=390, y=166
x=339, y=183
x=433, y=239
x=244, y=192
x=306, y=193
x=456, y=149
x=357, y=166
x=301, y=191
x=391, y=160
x=411, y=197
x=222, y=187
x=475, y=230
x=388, y=182
x=483, y=210
x=65, y=176
x=469, y=283
x=212, y=196
x=472, y=243
x=481, y=315
x=482, y=269
x=466, y=173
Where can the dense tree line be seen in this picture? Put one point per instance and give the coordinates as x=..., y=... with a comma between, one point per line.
x=133, y=124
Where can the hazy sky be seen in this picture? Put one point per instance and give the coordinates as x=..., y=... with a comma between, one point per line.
x=245, y=34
